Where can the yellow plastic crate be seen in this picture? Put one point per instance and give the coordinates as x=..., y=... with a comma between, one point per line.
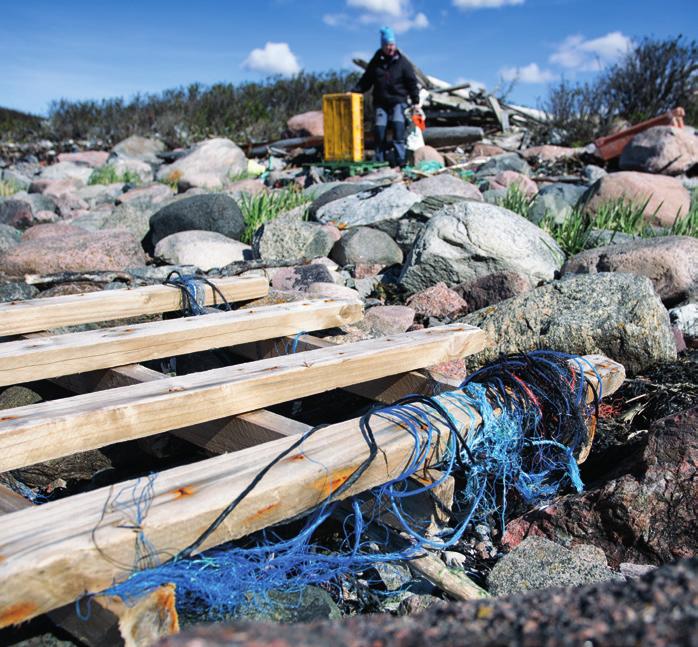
x=343, y=116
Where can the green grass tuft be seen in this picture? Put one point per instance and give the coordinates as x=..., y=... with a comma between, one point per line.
x=109, y=175
x=8, y=188
x=263, y=207
x=516, y=200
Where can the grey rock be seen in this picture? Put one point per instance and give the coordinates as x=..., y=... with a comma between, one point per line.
x=288, y=237
x=403, y=231
x=17, y=291
x=366, y=246
x=301, y=277
x=159, y=274
x=18, y=396
x=494, y=196
x=209, y=212
x=308, y=605
x=469, y=240
x=369, y=207
x=139, y=148
x=9, y=237
x=323, y=194
x=392, y=576
x=204, y=249
x=67, y=171
x=129, y=216
x=418, y=603
x=99, y=194
x=591, y=173
x=445, y=184
x=603, y=237
x=538, y=563
x=16, y=213
x=613, y=314
x=556, y=199
x=492, y=288
x=504, y=162
x=39, y=201
x=631, y=570
x=661, y=149
x=314, y=191
x=21, y=181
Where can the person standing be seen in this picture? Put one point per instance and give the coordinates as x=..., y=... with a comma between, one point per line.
x=393, y=80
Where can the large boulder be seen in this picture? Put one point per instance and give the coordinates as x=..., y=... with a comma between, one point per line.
x=208, y=165
x=322, y=194
x=307, y=123
x=366, y=246
x=368, y=207
x=647, y=514
x=538, y=563
x=209, y=212
x=661, y=149
x=130, y=216
x=666, y=197
x=289, y=237
x=88, y=252
x=67, y=171
x=469, y=240
x=205, y=249
x=670, y=262
x=556, y=200
x=617, y=315
x=139, y=148
x=445, y=184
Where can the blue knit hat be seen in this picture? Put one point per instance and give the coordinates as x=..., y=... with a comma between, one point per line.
x=387, y=36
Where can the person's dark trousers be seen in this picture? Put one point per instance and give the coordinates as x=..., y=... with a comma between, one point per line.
x=395, y=117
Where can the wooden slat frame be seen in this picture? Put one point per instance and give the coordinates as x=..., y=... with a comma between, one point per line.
x=52, y=554
x=32, y=315
x=48, y=356
x=36, y=433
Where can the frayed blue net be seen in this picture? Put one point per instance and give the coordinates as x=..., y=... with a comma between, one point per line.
x=527, y=418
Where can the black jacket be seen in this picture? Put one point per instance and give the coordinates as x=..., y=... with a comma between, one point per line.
x=393, y=80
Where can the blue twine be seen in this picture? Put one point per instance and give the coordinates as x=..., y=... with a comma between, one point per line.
x=532, y=409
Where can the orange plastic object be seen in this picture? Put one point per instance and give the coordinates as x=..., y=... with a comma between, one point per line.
x=613, y=145
x=419, y=121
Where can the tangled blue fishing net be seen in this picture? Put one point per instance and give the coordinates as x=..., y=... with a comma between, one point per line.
x=528, y=417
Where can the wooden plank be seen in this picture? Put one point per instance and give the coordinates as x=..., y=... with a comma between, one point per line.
x=386, y=389
x=32, y=315
x=43, y=357
x=11, y=501
x=54, y=553
x=36, y=433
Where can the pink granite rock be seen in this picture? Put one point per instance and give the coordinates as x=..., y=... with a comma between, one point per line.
x=248, y=185
x=505, y=179
x=548, y=153
x=493, y=288
x=666, y=196
x=307, y=123
x=662, y=149
x=428, y=154
x=486, y=150
x=437, y=301
x=156, y=193
x=388, y=320
x=60, y=229
x=114, y=250
x=88, y=158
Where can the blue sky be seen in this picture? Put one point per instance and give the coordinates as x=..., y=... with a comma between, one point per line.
x=92, y=50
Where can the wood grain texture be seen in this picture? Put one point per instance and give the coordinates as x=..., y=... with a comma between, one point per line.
x=42, y=357
x=32, y=315
x=36, y=433
x=52, y=554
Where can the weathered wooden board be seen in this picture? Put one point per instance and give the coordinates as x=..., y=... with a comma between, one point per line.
x=18, y=317
x=43, y=357
x=54, y=553
x=48, y=430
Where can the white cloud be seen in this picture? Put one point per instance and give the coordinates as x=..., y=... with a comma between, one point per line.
x=273, y=58
x=576, y=53
x=335, y=19
x=398, y=14
x=530, y=73
x=484, y=4
x=387, y=7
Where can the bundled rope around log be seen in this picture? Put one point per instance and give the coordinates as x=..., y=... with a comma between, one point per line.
x=528, y=420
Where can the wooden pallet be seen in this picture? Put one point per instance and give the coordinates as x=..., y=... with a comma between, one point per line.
x=52, y=554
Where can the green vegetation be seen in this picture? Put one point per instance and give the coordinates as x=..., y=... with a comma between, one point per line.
x=180, y=116
x=263, y=207
x=8, y=188
x=656, y=75
x=109, y=175
x=516, y=200
x=622, y=216
x=18, y=126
